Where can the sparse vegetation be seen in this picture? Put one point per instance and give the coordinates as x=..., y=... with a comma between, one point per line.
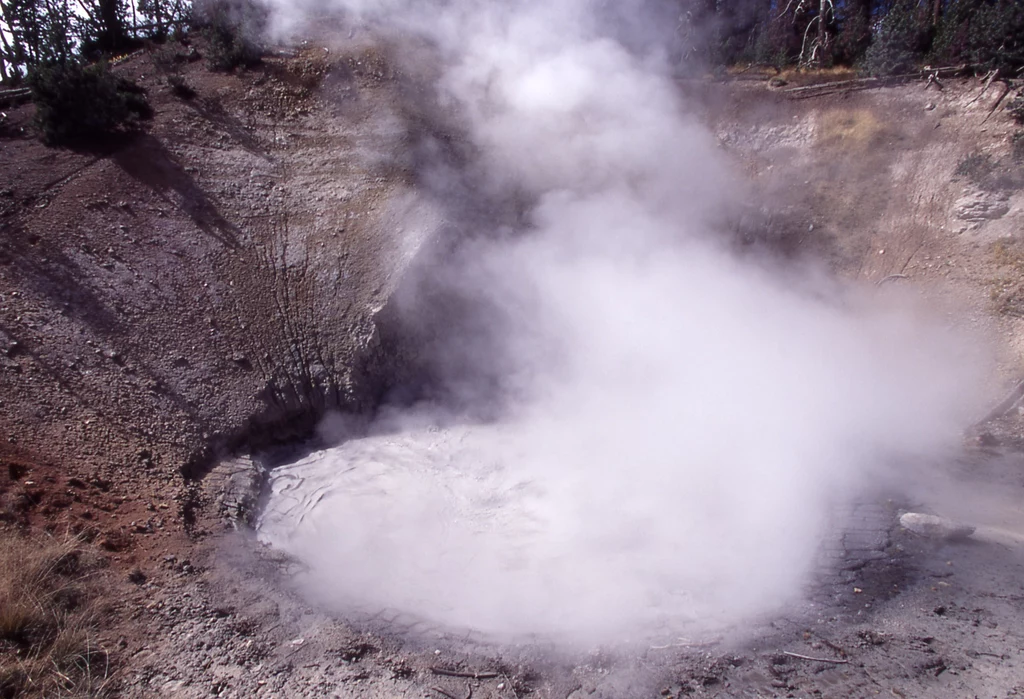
x=180, y=87
x=994, y=174
x=1016, y=107
x=975, y=168
x=77, y=104
x=899, y=39
x=48, y=644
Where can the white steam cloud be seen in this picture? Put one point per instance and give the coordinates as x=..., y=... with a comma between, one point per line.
x=684, y=421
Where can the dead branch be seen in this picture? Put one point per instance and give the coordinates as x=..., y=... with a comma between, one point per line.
x=984, y=88
x=442, y=692
x=813, y=659
x=799, y=9
x=470, y=675
x=999, y=100
x=1006, y=405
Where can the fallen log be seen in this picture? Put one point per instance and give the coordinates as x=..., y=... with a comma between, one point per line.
x=928, y=72
x=15, y=96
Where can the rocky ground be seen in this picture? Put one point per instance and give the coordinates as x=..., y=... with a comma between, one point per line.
x=210, y=287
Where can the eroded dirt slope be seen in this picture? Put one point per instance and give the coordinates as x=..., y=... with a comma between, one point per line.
x=177, y=293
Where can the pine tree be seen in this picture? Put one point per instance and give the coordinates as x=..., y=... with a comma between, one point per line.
x=104, y=29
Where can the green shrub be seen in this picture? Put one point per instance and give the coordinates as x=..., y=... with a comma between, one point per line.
x=76, y=104
x=899, y=41
x=987, y=34
x=775, y=45
x=229, y=50
x=234, y=29
x=995, y=39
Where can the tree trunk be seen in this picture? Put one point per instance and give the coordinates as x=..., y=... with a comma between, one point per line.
x=7, y=55
x=112, y=31
x=822, y=24
x=936, y=12
x=158, y=15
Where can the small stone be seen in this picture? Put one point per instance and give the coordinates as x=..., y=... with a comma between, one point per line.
x=935, y=527
x=930, y=106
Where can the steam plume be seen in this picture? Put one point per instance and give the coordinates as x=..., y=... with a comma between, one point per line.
x=681, y=421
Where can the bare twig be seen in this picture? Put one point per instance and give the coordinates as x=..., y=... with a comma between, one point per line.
x=817, y=660
x=511, y=687
x=471, y=675
x=443, y=693
x=978, y=653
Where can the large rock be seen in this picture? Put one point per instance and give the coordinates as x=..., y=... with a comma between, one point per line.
x=981, y=206
x=935, y=527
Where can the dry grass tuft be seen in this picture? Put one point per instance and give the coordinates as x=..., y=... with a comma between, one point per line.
x=849, y=129
x=811, y=76
x=47, y=619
